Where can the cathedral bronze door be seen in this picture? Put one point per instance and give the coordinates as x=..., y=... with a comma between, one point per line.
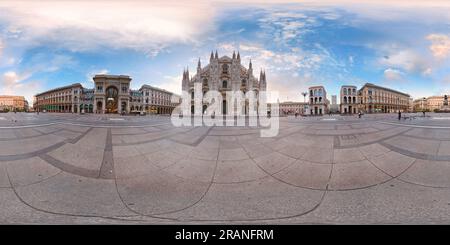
x=112, y=100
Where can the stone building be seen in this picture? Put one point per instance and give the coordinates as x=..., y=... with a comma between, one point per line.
x=291, y=108
x=432, y=103
x=376, y=99
x=13, y=103
x=318, y=102
x=349, y=100
x=62, y=99
x=158, y=101
x=420, y=104
x=223, y=74
x=111, y=94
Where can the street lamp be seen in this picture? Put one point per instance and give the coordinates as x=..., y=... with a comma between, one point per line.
x=304, y=101
x=304, y=96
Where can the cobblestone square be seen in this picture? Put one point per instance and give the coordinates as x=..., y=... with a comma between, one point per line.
x=89, y=169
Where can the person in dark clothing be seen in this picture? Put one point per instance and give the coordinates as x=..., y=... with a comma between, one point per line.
x=423, y=113
x=399, y=115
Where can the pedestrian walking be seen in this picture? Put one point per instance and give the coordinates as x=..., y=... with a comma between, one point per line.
x=399, y=115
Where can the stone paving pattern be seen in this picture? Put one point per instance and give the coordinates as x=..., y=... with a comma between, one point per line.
x=87, y=169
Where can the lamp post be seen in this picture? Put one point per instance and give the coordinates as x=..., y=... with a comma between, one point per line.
x=304, y=101
x=304, y=96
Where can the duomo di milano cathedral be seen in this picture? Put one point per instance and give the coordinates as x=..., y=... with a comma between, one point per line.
x=224, y=74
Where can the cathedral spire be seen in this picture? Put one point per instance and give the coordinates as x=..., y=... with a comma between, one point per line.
x=212, y=56
x=234, y=55
x=217, y=55
x=199, y=64
x=250, y=64
x=238, y=56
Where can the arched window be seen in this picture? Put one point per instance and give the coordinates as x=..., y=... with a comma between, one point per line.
x=192, y=95
x=354, y=100
x=244, y=82
x=320, y=99
x=345, y=100
x=224, y=84
x=225, y=68
x=205, y=82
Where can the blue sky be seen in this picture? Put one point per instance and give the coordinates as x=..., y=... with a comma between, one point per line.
x=401, y=44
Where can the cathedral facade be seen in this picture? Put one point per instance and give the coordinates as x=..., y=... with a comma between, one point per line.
x=224, y=74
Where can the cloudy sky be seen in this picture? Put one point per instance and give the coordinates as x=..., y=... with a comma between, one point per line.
x=401, y=44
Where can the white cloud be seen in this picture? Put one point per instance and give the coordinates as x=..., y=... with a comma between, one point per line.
x=86, y=25
x=406, y=60
x=90, y=75
x=1, y=48
x=172, y=84
x=393, y=74
x=12, y=83
x=440, y=45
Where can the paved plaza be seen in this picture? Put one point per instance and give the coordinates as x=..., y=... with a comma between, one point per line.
x=89, y=169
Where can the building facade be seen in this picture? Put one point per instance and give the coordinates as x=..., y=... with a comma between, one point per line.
x=158, y=101
x=318, y=102
x=435, y=103
x=292, y=108
x=224, y=74
x=377, y=99
x=432, y=103
x=334, y=107
x=111, y=94
x=420, y=104
x=13, y=103
x=349, y=100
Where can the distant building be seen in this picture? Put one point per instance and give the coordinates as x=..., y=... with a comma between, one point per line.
x=318, y=102
x=432, y=103
x=13, y=103
x=334, y=107
x=291, y=108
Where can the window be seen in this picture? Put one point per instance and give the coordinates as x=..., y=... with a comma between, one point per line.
x=225, y=68
x=244, y=83
x=205, y=82
x=100, y=88
x=224, y=84
x=124, y=89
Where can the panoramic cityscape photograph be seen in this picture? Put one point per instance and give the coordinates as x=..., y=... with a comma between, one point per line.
x=241, y=112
